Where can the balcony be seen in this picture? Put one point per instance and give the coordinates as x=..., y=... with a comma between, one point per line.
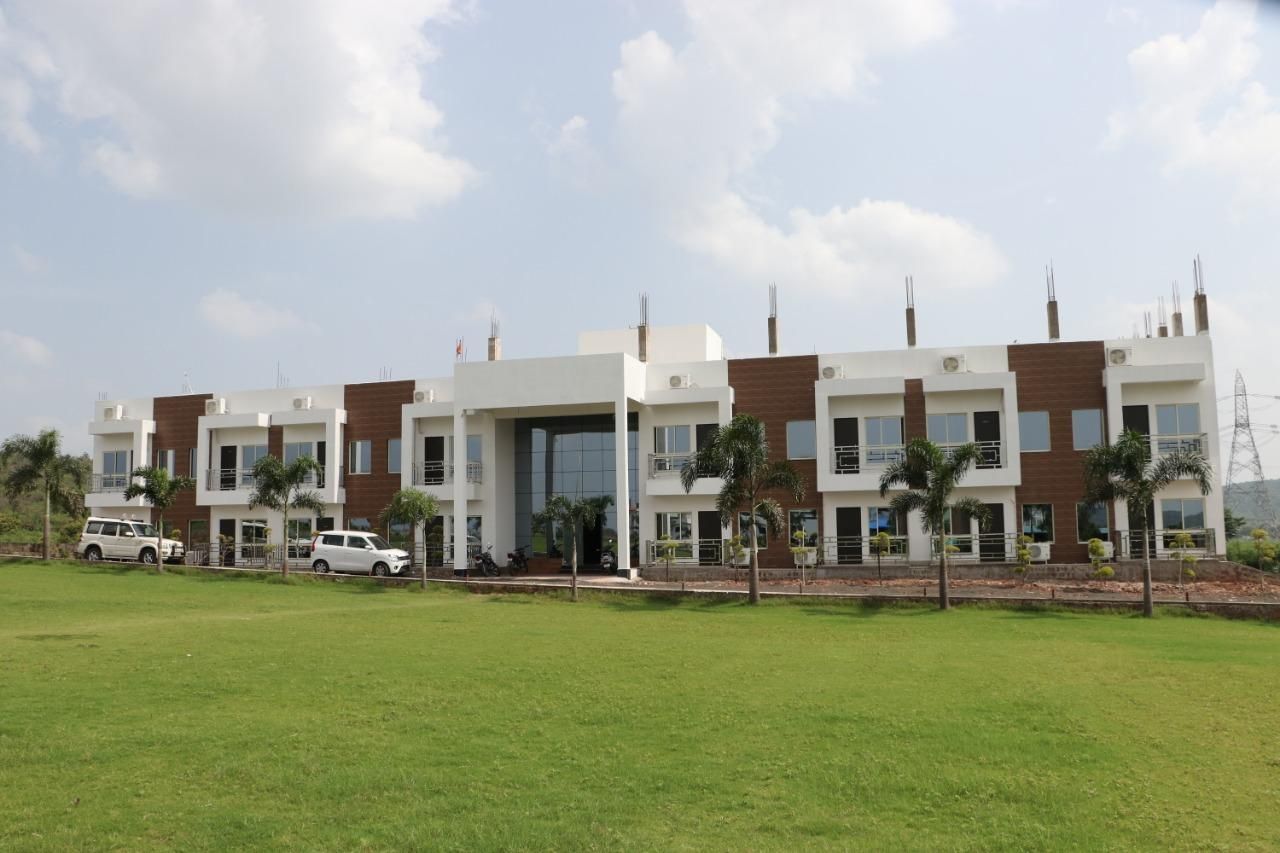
x=230, y=479
x=1163, y=445
x=668, y=464
x=990, y=453
x=852, y=459
x=436, y=473
x=104, y=483
x=1163, y=544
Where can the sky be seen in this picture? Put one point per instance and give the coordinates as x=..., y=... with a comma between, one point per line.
x=218, y=192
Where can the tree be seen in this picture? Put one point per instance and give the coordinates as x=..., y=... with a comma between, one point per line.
x=1126, y=471
x=931, y=476
x=880, y=545
x=667, y=548
x=571, y=515
x=738, y=453
x=160, y=490
x=38, y=464
x=1264, y=550
x=1232, y=524
x=1183, y=542
x=282, y=488
x=1023, y=555
x=417, y=508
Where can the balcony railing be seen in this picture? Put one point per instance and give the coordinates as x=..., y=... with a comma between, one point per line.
x=852, y=459
x=230, y=479
x=668, y=464
x=702, y=552
x=1162, y=445
x=855, y=550
x=1163, y=544
x=437, y=473
x=845, y=459
x=990, y=453
x=109, y=483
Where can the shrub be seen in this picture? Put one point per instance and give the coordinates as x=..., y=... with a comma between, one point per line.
x=1104, y=573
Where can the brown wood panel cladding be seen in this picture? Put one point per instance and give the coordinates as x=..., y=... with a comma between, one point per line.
x=177, y=429
x=776, y=390
x=275, y=441
x=373, y=414
x=913, y=421
x=1058, y=378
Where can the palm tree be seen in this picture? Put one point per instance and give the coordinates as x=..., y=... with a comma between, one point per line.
x=416, y=508
x=931, y=475
x=38, y=464
x=570, y=515
x=159, y=489
x=738, y=453
x=1125, y=471
x=282, y=488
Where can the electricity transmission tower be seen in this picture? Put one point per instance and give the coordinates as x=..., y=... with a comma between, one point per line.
x=1245, y=479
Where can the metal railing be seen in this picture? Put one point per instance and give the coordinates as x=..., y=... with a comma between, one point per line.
x=109, y=483
x=229, y=479
x=852, y=459
x=437, y=473
x=845, y=459
x=979, y=547
x=990, y=453
x=855, y=550
x=1163, y=543
x=701, y=552
x=668, y=464
x=1162, y=445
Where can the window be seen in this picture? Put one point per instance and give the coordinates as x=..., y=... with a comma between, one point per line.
x=1037, y=522
x=393, y=456
x=332, y=539
x=1086, y=428
x=806, y=521
x=295, y=450
x=802, y=439
x=883, y=519
x=198, y=532
x=1033, y=431
x=357, y=542
x=884, y=440
x=1091, y=522
x=948, y=429
x=675, y=525
x=167, y=459
x=299, y=531
x=1181, y=419
x=115, y=469
x=249, y=456
x=475, y=527
x=110, y=528
x=191, y=463
x=324, y=523
x=361, y=457
x=93, y=528
x=671, y=439
x=253, y=531
x=474, y=448
x=762, y=530
x=359, y=524
x=401, y=534
x=1182, y=513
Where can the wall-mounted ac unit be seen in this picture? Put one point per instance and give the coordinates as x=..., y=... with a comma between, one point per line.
x=1039, y=552
x=1108, y=550
x=302, y=402
x=216, y=406
x=678, y=380
x=425, y=396
x=833, y=371
x=953, y=364
x=113, y=413
x=1119, y=356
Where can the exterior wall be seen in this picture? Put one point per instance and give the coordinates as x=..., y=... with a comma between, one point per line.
x=1057, y=378
x=176, y=429
x=373, y=414
x=777, y=390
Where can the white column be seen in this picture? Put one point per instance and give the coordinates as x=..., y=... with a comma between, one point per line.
x=459, y=490
x=622, y=497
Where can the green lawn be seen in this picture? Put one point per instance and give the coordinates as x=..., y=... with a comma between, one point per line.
x=192, y=712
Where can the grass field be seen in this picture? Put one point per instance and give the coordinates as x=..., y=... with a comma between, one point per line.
x=206, y=713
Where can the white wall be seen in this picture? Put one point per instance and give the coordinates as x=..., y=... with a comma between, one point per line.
x=667, y=344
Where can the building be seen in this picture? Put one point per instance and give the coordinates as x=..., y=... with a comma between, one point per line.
x=495, y=438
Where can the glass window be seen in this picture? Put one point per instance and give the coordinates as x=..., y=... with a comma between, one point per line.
x=253, y=531
x=299, y=530
x=883, y=519
x=359, y=524
x=806, y=521
x=1180, y=419
x=1037, y=522
x=1182, y=513
x=167, y=459
x=762, y=530
x=884, y=431
x=115, y=468
x=675, y=525
x=1086, y=428
x=474, y=529
x=361, y=457
x=474, y=448
x=357, y=542
x=393, y=456
x=295, y=450
x=400, y=534
x=331, y=539
x=948, y=429
x=1091, y=522
x=802, y=439
x=198, y=532
x=250, y=454
x=110, y=528
x=671, y=439
x=93, y=528
x=1033, y=431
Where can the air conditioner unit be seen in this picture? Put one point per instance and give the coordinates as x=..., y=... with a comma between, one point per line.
x=216, y=406
x=426, y=396
x=1039, y=552
x=1119, y=356
x=113, y=413
x=833, y=371
x=302, y=402
x=953, y=364
x=1108, y=550
x=679, y=380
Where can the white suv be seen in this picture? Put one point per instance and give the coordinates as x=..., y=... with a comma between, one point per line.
x=355, y=551
x=122, y=539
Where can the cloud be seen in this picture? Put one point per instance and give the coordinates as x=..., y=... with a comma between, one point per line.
x=693, y=123
x=26, y=350
x=1199, y=104
x=291, y=108
x=236, y=315
x=572, y=154
x=29, y=262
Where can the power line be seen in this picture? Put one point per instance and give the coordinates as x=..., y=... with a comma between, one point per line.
x=1245, y=478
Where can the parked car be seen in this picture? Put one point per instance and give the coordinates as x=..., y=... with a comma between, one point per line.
x=123, y=539
x=357, y=552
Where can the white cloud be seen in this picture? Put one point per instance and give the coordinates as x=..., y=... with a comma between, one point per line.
x=236, y=315
x=1199, y=104
x=299, y=108
x=26, y=350
x=693, y=123
x=29, y=262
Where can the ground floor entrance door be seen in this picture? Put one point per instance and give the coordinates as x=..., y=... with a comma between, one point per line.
x=227, y=536
x=709, y=538
x=848, y=535
x=991, y=545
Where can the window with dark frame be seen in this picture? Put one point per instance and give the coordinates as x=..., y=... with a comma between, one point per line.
x=1037, y=522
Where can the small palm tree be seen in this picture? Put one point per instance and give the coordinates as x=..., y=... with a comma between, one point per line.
x=1125, y=471
x=570, y=515
x=931, y=476
x=416, y=508
x=38, y=464
x=880, y=545
x=282, y=488
x=159, y=489
x=738, y=453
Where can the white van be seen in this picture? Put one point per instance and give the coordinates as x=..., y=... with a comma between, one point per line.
x=123, y=539
x=358, y=552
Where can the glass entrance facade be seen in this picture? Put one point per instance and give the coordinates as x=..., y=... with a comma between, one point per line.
x=572, y=456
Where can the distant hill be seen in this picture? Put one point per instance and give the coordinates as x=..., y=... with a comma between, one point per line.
x=1244, y=508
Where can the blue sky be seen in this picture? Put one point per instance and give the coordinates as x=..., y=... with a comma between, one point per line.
x=211, y=188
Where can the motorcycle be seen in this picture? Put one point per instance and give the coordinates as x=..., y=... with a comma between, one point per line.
x=484, y=563
x=607, y=561
x=518, y=561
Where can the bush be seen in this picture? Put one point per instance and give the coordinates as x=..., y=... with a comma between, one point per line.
x=1104, y=573
x=1245, y=552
